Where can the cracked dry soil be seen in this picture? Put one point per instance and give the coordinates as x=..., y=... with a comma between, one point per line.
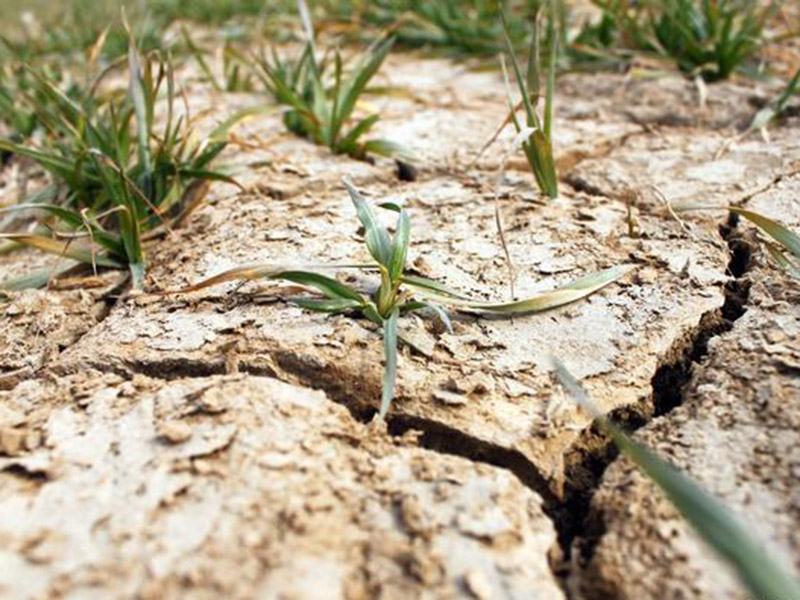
x=221, y=445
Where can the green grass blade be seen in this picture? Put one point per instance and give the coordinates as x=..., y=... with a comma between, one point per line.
x=330, y=305
x=31, y=281
x=429, y=285
x=780, y=258
x=571, y=292
x=388, y=149
x=354, y=87
x=780, y=233
x=376, y=237
x=390, y=356
x=762, y=574
x=397, y=262
x=551, y=77
x=327, y=285
x=533, y=120
x=139, y=99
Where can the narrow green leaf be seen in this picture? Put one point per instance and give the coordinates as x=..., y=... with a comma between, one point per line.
x=354, y=87
x=330, y=305
x=425, y=284
x=780, y=233
x=139, y=98
x=780, y=258
x=387, y=148
x=764, y=576
x=376, y=237
x=327, y=285
x=571, y=292
x=397, y=262
x=390, y=356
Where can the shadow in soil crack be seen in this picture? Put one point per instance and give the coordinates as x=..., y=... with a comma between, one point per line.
x=579, y=529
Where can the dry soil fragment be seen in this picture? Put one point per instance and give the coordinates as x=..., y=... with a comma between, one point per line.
x=738, y=434
x=294, y=500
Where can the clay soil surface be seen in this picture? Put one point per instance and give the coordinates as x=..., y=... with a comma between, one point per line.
x=222, y=444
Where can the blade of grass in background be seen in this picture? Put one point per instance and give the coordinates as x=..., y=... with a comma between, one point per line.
x=537, y=142
x=710, y=38
x=763, y=575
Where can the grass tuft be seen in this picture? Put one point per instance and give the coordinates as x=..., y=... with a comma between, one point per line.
x=710, y=38
x=321, y=97
x=118, y=178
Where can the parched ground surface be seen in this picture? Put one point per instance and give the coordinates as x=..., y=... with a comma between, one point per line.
x=219, y=444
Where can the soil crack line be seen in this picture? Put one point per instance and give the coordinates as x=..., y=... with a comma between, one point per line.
x=579, y=530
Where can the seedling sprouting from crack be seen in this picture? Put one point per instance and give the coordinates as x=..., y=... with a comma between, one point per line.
x=764, y=576
x=320, y=105
x=399, y=292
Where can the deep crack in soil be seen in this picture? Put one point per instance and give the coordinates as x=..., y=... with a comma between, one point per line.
x=578, y=529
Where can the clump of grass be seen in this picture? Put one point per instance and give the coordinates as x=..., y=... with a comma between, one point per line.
x=535, y=136
x=710, y=38
x=764, y=576
x=119, y=179
x=399, y=292
x=321, y=97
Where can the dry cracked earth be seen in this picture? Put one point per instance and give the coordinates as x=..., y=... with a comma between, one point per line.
x=221, y=444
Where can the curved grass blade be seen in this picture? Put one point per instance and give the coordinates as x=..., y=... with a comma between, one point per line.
x=781, y=234
x=328, y=286
x=571, y=292
x=78, y=252
x=390, y=355
x=330, y=305
x=376, y=237
x=779, y=257
x=388, y=149
x=397, y=262
x=761, y=573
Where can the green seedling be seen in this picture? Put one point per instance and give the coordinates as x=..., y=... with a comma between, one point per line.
x=711, y=38
x=400, y=292
x=321, y=105
x=535, y=136
x=758, y=570
x=119, y=179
